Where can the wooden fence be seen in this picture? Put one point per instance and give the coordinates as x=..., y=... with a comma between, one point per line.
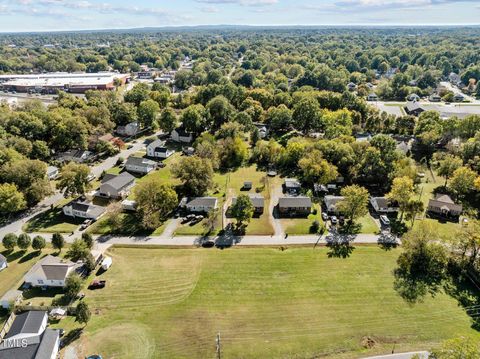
x=7, y=325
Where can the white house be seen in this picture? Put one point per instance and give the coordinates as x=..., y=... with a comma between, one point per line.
x=50, y=271
x=130, y=129
x=140, y=165
x=372, y=97
x=383, y=205
x=52, y=172
x=3, y=262
x=181, y=135
x=157, y=149
x=29, y=337
x=83, y=209
x=199, y=204
x=458, y=97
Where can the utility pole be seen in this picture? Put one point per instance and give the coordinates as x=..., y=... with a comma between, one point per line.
x=219, y=349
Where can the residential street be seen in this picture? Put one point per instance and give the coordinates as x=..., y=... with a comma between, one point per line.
x=16, y=225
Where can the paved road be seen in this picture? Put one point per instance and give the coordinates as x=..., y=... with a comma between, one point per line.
x=409, y=355
x=166, y=239
x=16, y=225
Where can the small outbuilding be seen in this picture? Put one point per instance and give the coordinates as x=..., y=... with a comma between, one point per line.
x=107, y=262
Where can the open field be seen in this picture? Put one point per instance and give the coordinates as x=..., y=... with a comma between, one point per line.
x=265, y=303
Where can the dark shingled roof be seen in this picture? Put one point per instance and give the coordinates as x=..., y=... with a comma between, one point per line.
x=28, y=322
x=257, y=200
x=38, y=347
x=286, y=202
x=120, y=181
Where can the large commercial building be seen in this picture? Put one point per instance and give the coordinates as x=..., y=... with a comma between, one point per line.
x=62, y=81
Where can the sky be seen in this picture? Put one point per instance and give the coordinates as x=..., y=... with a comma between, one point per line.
x=54, y=15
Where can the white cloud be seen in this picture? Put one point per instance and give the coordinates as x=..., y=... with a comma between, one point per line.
x=241, y=2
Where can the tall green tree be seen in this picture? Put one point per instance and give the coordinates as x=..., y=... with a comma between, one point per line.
x=57, y=241
x=243, y=209
x=355, y=202
x=11, y=199
x=196, y=174
x=74, y=179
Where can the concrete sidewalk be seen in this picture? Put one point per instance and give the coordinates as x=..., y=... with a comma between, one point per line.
x=409, y=355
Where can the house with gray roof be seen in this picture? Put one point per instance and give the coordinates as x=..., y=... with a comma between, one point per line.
x=180, y=134
x=82, y=209
x=292, y=186
x=331, y=203
x=3, y=262
x=157, y=149
x=257, y=200
x=52, y=172
x=444, y=206
x=29, y=338
x=295, y=206
x=199, y=204
x=50, y=271
x=140, y=165
x=116, y=186
x=383, y=205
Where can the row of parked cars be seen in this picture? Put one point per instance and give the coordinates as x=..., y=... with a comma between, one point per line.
x=334, y=220
x=192, y=218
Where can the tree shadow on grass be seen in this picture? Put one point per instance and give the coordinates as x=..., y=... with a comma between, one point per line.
x=13, y=256
x=350, y=228
x=339, y=245
x=72, y=336
x=29, y=256
x=462, y=287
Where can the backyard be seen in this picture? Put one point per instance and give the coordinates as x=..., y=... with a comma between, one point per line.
x=264, y=302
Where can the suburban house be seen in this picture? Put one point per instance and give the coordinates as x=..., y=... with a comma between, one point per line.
x=116, y=186
x=292, y=186
x=83, y=209
x=247, y=185
x=458, y=97
x=140, y=165
x=331, y=203
x=29, y=338
x=257, y=200
x=3, y=262
x=454, y=78
x=262, y=130
x=442, y=205
x=50, y=271
x=199, y=204
x=78, y=156
x=295, y=206
x=413, y=97
x=382, y=205
x=372, y=97
x=52, y=172
x=12, y=297
x=435, y=98
x=351, y=86
x=130, y=129
x=413, y=108
x=181, y=135
x=188, y=151
x=157, y=149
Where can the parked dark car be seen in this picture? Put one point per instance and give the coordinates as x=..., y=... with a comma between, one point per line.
x=97, y=284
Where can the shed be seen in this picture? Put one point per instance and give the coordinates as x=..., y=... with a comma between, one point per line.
x=107, y=263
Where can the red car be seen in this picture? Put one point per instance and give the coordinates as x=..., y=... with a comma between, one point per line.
x=97, y=284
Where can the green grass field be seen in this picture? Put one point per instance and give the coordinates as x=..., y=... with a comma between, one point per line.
x=266, y=303
x=53, y=220
x=298, y=226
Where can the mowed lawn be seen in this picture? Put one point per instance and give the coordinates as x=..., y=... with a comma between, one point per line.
x=266, y=303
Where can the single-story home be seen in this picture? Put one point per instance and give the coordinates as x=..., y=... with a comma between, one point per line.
x=413, y=108
x=50, y=271
x=13, y=296
x=78, y=156
x=383, y=205
x=199, y=204
x=458, y=97
x=188, y=151
x=295, y=206
x=29, y=338
x=181, y=135
x=331, y=203
x=262, y=130
x=83, y=209
x=443, y=205
x=116, y=186
x=247, y=185
x=351, y=86
x=257, y=200
x=157, y=149
x=140, y=165
x=292, y=186
x=52, y=172
x=435, y=98
x=372, y=97
x=413, y=97
x=130, y=129
x=3, y=262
